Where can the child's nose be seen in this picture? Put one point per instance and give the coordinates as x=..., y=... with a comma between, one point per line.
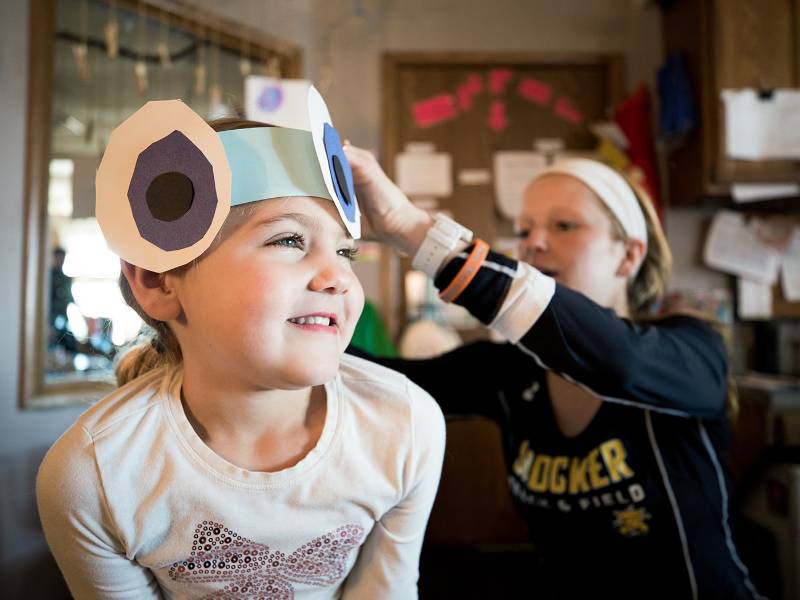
x=535, y=242
x=334, y=277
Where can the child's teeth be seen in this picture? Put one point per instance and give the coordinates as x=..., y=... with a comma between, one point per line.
x=312, y=320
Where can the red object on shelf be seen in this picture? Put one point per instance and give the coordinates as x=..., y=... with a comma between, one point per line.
x=634, y=116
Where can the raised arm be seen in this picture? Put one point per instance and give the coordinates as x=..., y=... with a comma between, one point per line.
x=676, y=366
x=79, y=529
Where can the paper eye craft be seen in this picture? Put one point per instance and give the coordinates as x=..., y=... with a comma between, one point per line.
x=167, y=180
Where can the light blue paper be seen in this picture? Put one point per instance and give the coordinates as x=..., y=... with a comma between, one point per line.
x=272, y=162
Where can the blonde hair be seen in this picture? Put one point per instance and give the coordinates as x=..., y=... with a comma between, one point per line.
x=651, y=281
x=158, y=346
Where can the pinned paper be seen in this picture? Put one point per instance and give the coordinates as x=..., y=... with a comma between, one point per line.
x=429, y=147
x=274, y=101
x=549, y=145
x=535, y=91
x=567, y=111
x=790, y=269
x=424, y=174
x=432, y=111
x=467, y=90
x=762, y=127
x=513, y=171
x=734, y=247
x=498, y=79
x=497, y=116
x=753, y=192
x=753, y=300
x=474, y=177
x=612, y=132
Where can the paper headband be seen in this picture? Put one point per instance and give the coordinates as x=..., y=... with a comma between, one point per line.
x=610, y=187
x=167, y=179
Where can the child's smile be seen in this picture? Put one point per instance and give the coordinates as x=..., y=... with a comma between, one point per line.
x=325, y=322
x=251, y=303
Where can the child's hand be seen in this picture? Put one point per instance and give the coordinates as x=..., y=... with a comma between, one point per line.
x=394, y=219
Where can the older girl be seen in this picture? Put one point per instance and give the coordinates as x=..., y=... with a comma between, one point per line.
x=615, y=429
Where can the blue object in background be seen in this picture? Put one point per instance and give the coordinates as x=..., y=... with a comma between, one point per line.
x=678, y=110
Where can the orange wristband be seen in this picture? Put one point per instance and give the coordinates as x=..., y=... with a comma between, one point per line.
x=467, y=271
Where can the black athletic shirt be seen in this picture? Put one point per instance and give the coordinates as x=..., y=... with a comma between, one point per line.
x=636, y=505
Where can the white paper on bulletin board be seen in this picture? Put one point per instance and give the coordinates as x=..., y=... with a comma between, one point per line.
x=759, y=128
x=424, y=173
x=513, y=171
x=790, y=268
x=753, y=300
x=734, y=247
x=273, y=100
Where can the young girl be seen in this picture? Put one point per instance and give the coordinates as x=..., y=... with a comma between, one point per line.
x=244, y=456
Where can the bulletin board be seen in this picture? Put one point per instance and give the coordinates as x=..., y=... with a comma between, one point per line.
x=472, y=105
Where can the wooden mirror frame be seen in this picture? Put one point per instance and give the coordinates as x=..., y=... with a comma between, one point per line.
x=34, y=392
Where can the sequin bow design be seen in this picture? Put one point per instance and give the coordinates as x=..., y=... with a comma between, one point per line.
x=220, y=555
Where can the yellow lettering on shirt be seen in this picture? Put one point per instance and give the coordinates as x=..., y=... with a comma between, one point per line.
x=597, y=480
x=558, y=483
x=522, y=465
x=602, y=466
x=539, y=473
x=577, y=476
x=614, y=456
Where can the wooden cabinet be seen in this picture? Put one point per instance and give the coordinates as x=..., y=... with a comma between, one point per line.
x=729, y=44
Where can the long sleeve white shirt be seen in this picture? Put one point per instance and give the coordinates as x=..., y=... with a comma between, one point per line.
x=135, y=505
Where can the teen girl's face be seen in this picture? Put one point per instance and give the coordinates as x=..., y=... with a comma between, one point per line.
x=274, y=305
x=566, y=232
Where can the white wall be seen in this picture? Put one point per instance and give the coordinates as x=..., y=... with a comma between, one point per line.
x=24, y=436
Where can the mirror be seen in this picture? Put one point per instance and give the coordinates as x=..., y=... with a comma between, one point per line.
x=92, y=64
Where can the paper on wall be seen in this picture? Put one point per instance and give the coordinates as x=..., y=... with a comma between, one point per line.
x=273, y=100
x=734, y=247
x=762, y=128
x=752, y=192
x=753, y=300
x=474, y=177
x=790, y=269
x=424, y=173
x=513, y=171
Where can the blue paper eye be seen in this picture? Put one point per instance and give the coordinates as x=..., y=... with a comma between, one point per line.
x=341, y=173
x=172, y=193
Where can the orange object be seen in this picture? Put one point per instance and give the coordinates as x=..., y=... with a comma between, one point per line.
x=467, y=272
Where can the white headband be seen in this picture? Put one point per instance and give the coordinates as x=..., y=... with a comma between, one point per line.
x=610, y=187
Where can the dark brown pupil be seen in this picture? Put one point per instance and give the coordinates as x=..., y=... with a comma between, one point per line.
x=169, y=196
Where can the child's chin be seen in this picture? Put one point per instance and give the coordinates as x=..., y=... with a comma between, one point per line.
x=316, y=373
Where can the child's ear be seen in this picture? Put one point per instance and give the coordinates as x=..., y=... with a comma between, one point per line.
x=634, y=255
x=151, y=290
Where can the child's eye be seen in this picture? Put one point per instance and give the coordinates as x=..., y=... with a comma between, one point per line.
x=294, y=240
x=566, y=225
x=522, y=233
x=348, y=253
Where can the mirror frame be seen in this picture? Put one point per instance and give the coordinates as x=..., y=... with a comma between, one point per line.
x=34, y=392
